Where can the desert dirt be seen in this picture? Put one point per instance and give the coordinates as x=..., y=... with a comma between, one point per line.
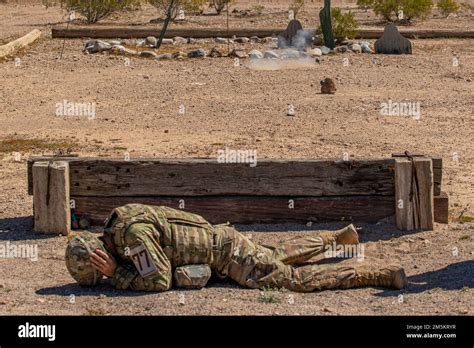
x=137, y=111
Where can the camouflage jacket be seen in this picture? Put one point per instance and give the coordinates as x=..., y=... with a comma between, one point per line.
x=151, y=241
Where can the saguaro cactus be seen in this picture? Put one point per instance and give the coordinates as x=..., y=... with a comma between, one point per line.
x=326, y=25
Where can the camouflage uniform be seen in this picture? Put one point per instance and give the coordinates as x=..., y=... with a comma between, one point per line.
x=152, y=241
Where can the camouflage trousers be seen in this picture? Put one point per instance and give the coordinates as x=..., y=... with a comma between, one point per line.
x=257, y=266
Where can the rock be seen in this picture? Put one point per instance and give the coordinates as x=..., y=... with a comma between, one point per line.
x=129, y=42
x=220, y=40
x=238, y=53
x=140, y=42
x=392, y=42
x=180, y=40
x=115, y=42
x=341, y=49
x=164, y=56
x=179, y=55
x=197, y=53
x=215, y=53
x=271, y=55
x=191, y=41
x=290, y=54
x=365, y=47
x=255, y=54
x=148, y=54
x=96, y=46
x=151, y=41
x=325, y=50
x=314, y=52
x=167, y=42
x=119, y=49
x=328, y=86
x=242, y=40
x=267, y=39
x=355, y=48
x=255, y=39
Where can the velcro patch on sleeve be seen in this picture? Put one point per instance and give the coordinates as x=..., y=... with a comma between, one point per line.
x=142, y=260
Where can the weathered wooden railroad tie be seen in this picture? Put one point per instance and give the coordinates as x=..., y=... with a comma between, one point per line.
x=274, y=191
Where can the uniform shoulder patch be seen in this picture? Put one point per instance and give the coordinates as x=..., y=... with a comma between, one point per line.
x=142, y=260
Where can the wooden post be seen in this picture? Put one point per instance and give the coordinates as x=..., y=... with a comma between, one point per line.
x=414, y=193
x=51, y=194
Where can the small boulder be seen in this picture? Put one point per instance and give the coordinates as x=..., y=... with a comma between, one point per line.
x=167, y=42
x=197, y=53
x=255, y=39
x=165, y=56
x=151, y=41
x=341, y=49
x=96, y=46
x=242, y=40
x=328, y=86
x=365, y=47
x=355, y=48
x=271, y=55
x=180, y=40
x=314, y=52
x=179, y=55
x=119, y=49
x=220, y=40
x=215, y=53
x=290, y=54
x=255, y=54
x=238, y=53
x=325, y=50
x=148, y=54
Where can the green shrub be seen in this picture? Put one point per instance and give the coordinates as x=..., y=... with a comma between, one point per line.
x=343, y=24
x=163, y=5
x=92, y=10
x=219, y=5
x=296, y=6
x=389, y=9
x=194, y=7
x=448, y=6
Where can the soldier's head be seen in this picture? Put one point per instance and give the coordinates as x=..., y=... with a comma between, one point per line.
x=78, y=263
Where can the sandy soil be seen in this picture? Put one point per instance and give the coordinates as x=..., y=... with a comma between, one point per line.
x=236, y=107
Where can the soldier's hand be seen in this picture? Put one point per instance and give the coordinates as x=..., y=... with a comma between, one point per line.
x=103, y=262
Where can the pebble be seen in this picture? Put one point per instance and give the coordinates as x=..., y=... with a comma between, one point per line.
x=255, y=39
x=365, y=47
x=255, y=54
x=148, y=54
x=341, y=49
x=180, y=55
x=115, y=42
x=167, y=42
x=271, y=55
x=151, y=41
x=198, y=53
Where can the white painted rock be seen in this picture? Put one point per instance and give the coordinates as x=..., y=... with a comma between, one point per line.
x=314, y=52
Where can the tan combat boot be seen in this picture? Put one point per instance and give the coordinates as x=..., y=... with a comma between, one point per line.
x=346, y=236
x=391, y=276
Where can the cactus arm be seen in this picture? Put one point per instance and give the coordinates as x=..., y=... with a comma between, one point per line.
x=326, y=25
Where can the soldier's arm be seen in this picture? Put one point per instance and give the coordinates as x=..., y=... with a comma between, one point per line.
x=148, y=267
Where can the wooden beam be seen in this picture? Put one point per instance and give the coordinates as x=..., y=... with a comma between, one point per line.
x=14, y=46
x=437, y=169
x=414, y=194
x=207, y=177
x=111, y=31
x=441, y=208
x=52, y=213
x=252, y=209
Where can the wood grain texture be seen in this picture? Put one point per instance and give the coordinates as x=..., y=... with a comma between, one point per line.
x=98, y=31
x=52, y=213
x=441, y=208
x=253, y=209
x=207, y=177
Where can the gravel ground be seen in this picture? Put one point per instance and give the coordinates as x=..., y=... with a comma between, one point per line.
x=137, y=111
